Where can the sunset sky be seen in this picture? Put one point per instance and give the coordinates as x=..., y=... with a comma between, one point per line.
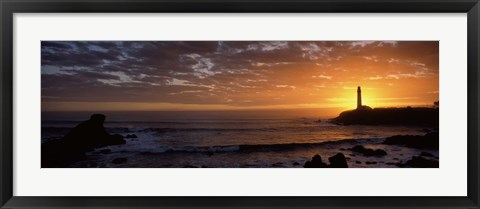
x=232, y=75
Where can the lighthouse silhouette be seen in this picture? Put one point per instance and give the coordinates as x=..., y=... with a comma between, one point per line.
x=359, y=98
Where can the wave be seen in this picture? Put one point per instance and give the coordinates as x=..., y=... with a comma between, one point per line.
x=189, y=129
x=191, y=121
x=251, y=147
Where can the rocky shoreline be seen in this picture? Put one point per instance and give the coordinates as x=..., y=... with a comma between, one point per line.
x=424, y=160
x=90, y=145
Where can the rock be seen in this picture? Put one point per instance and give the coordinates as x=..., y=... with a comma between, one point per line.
x=92, y=165
x=86, y=136
x=358, y=162
x=91, y=134
x=368, y=152
x=429, y=140
x=60, y=153
x=131, y=136
x=338, y=161
x=296, y=163
x=370, y=162
x=114, y=139
x=419, y=162
x=426, y=130
x=105, y=151
x=427, y=154
x=316, y=162
x=120, y=160
x=278, y=165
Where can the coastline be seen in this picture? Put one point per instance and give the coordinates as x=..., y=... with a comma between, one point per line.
x=292, y=158
x=143, y=149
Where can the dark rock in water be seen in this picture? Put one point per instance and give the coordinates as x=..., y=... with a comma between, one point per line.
x=338, y=161
x=296, y=163
x=358, y=162
x=315, y=163
x=419, y=162
x=60, y=153
x=189, y=166
x=426, y=130
x=390, y=163
x=427, y=154
x=91, y=134
x=84, y=137
x=92, y=165
x=368, y=152
x=105, y=151
x=421, y=116
x=429, y=140
x=370, y=162
x=278, y=165
x=120, y=160
x=131, y=136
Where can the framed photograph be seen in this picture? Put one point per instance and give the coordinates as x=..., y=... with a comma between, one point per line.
x=264, y=104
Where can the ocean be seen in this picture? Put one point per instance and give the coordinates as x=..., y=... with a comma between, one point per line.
x=229, y=139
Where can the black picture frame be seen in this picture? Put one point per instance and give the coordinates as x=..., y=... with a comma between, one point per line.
x=10, y=7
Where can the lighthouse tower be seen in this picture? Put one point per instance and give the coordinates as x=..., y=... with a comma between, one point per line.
x=359, y=98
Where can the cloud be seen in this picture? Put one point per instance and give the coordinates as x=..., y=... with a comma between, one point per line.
x=362, y=44
x=178, y=82
x=371, y=58
x=323, y=76
x=269, y=46
x=375, y=78
x=214, y=72
x=286, y=86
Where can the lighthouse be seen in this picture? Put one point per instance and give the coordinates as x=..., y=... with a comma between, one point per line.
x=359, y=98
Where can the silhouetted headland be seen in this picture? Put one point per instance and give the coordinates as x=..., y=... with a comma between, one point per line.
x=407, y=116
x=84, y=137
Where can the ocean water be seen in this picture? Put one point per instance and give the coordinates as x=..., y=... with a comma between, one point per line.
x=176, y=140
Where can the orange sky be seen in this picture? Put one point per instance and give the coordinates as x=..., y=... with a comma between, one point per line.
x=211, y=75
